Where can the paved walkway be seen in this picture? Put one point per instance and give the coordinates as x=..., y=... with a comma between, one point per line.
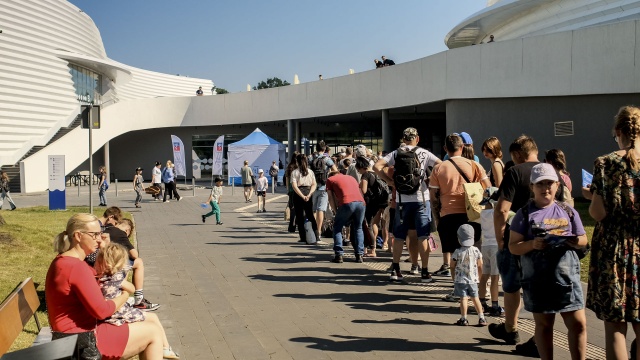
x=248, y=290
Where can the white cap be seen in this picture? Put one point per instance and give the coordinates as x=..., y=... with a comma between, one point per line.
x=260, y=171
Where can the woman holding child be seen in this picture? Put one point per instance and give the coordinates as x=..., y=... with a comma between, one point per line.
x=76, y=304
x=615, y=257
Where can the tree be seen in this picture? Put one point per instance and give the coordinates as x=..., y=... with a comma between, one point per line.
x=221, y=91
x=271, y=83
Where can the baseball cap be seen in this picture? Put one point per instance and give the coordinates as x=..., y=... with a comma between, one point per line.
x=139, y=168
x=260, y=171
x=410, y=133
x=466, y=138
x=543, y=171
x=157, y=163
x=465, y=235
x=360, y=150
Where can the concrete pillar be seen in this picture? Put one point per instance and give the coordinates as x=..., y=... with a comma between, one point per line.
x=298, y=136
x=107, y=164
x=387, y=140
x=290, y=139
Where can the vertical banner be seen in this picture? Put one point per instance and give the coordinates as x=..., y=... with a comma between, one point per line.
x=218, y=149
x=195, y=167
x=57, y=192
x=178, y=156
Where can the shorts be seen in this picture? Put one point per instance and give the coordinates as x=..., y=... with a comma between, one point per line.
x=465, y=290
x=448, y=231
x=370, y=212
x=261, y=193
x=509, y=268
x=551, y=290
x=415, y=216
x=489, y=262
x=129, y=264
x=247, y=185
x=320, y=200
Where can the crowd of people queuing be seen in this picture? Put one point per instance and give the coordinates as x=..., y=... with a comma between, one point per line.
x=527, y=234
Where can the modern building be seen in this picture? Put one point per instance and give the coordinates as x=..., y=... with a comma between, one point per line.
x=557, y=70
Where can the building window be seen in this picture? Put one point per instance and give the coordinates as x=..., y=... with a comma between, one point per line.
x=564, y=128
x=88, y=84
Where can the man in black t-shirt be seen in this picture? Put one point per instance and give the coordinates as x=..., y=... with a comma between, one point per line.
x=387, y=62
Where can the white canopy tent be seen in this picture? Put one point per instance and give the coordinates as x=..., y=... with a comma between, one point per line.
x=259, y=150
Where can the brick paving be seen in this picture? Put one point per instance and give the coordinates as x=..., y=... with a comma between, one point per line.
x=248, y=290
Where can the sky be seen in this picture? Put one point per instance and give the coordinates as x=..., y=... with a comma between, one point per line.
x=240, y=42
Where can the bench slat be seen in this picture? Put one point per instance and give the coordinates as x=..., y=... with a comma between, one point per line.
x=15, y=312
x=60, y=349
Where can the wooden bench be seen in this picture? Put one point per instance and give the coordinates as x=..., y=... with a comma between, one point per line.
x=15, y=312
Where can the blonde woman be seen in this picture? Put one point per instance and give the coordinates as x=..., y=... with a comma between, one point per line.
x=614, y=269
x=76, y=305
x=4, y=190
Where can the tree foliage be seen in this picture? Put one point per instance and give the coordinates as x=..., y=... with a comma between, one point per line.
x=271, y=83
x=221, y=91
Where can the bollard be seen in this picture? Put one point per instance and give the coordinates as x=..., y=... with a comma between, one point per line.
x=273, y=185
x=193, y=186
x=116, y=187
x=78, y=185
x=233, y=184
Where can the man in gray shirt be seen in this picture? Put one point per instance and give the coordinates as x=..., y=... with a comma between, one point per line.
x=247, y=181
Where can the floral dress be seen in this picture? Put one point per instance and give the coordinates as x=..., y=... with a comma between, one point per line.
x=110, y=286
x=613, y=292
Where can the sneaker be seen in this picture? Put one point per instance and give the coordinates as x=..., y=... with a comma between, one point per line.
x=415, y=269
x=337, y=259
x=462, y=322
x=259, y=211
x=485, y=306
x=499, y=331
x=359, y=258
x=264, y=210
x=321, y=243
x=396, y=276
x=443, y=271
x=146, y=305
x=451, y=298
x=528, y=349
x=496, y=311
x=482, y=322
x=219, y=223
x=168, y=353
x=203, y=218
x=180, y=198
x=426, y=277
x=166, y=201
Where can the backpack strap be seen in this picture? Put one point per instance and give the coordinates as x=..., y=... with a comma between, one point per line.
x=460, y=170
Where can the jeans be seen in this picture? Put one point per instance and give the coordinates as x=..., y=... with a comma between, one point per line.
x=351, y=212
x=138, y=196
x=170, y=189
x=5, y=194
x=215, y=209
x=101, y=195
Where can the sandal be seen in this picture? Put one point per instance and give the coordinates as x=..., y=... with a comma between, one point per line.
x=370, y=255
x=168, y=353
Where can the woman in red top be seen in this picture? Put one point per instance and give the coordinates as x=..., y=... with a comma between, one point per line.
x=75, y=302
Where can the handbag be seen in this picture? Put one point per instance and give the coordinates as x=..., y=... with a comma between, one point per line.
x=473, y=193
x=287, y=213
x=87, y=344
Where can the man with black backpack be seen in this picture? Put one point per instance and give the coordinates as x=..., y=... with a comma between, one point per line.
x=321, y=165
x=413, y=210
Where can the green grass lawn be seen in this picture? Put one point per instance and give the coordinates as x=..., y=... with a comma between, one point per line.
x=26, y=245
x=583, y=209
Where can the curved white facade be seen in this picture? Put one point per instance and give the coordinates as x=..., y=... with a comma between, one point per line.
x=37, y=96
x=513, y=19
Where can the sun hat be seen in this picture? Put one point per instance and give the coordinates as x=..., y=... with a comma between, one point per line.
x=543, y=171
x=260, y=171
x=465, y=235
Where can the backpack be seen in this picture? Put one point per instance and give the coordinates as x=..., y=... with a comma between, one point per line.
x=319, y=167
x=273, y=172
x=473, y=192
x=407, y=173
x=581, y=252
x=378, y=192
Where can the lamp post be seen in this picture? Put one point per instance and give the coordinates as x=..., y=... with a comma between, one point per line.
x=90, y=158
